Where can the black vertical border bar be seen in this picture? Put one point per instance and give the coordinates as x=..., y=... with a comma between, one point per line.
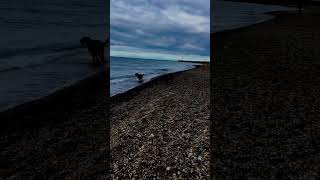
x=216, y=49
x=213, y=60
x=107, y=91
x=211, y=68
x=211, y=98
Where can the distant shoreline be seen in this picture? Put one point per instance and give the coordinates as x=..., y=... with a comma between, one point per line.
x=275, y=14
x=154, y=59
x=201, y=62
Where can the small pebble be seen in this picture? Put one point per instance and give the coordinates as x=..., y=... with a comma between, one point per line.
x=151, y=136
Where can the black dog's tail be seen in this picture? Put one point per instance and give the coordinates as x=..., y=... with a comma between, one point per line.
x=106, y=43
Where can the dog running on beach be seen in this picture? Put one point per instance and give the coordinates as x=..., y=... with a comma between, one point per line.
x=140, y=77
x=95, y=48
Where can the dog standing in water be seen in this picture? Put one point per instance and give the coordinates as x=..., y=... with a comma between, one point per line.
x=140, y=77
x=95, y=48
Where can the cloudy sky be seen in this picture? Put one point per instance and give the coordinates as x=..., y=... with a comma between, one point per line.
x=160, y=29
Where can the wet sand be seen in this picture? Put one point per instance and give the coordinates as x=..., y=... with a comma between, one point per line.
x=265, y=99
x=163, y=130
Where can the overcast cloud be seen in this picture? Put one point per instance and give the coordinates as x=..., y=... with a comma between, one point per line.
x=161, y=29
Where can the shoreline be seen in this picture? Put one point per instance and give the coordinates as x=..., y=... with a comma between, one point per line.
x=53, y=91
x=274, y=14
x=30, y=115
x=55, y=106
x=128, y=94
x=217, y=38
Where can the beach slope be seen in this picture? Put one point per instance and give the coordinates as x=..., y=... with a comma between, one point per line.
x=163, y=130
x=61, y=136
x=266, y=99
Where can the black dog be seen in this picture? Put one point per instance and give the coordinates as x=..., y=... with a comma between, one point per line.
x=95, y=48
x=140, y=77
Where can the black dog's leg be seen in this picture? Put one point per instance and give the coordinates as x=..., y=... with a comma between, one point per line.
x=94, y=59
x=97, y=59
x=102, y=60
x=93, y=56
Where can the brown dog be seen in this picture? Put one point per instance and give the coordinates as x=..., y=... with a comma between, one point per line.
x=95, y=48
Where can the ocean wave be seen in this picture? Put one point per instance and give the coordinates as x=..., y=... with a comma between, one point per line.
x=55, y=47
x=10, y=69
x=49, y=59
x=119, y=80
x=121, y=77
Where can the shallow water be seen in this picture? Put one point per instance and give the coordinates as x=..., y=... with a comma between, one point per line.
x=40, y=49
x=122, y=71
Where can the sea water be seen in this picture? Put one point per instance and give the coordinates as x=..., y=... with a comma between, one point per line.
x=40, y=49
x=122, y=71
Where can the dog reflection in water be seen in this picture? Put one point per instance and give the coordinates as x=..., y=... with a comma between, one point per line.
x=140, y=77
